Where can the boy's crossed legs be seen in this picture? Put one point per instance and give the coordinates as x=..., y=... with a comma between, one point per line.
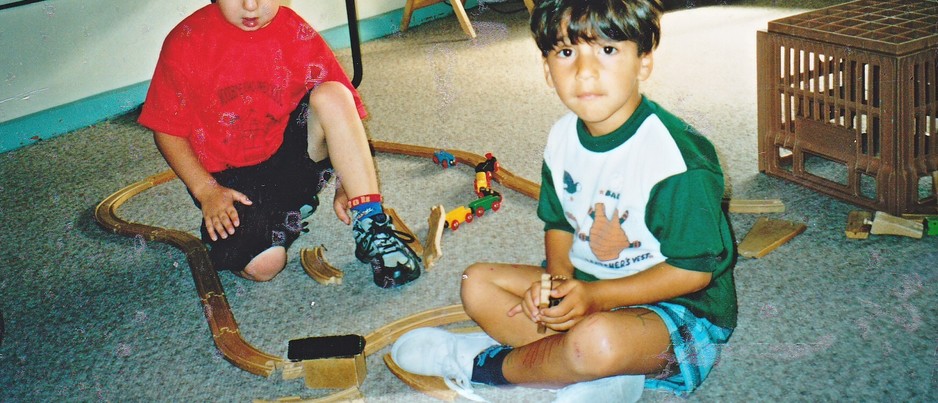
x=629, y=341
x=602, y=344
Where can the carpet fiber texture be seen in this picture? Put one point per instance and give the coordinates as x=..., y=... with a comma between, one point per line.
x=93, y=316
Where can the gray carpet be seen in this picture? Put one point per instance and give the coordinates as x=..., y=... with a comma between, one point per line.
x=92, y=316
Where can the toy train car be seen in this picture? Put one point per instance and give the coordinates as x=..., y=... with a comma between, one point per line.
x=484, y=172
x=491, y=201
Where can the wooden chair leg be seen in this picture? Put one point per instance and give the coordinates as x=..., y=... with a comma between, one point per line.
x=458, y=8
x=463, y=18
x=408, y=12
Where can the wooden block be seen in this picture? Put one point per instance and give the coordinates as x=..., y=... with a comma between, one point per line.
x=432, y=251
x=766, y=235
x=292, y=370
x=399, y=224
x=887, y=224
x=929, y=221
x=316, y=266
x=335, y=373
x=544, y=300
x=756, y=206
x=858, y=226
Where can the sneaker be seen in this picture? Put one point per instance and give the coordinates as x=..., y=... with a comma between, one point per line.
x=435, y=352
x=619, y=389
x=377, y=242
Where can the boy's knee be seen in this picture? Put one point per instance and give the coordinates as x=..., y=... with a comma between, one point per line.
x=476, y=275
x=591, y=346
x=266, y=265
x=329, y=94
x=472, y=285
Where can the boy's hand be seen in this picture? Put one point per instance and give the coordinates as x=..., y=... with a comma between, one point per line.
x=219, y=212
x=529, y=303
x=578, y=302
x=340, y=205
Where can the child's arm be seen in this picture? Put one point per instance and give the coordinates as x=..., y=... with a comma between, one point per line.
x=217, y=202
x=659, y=283
x=557, y=244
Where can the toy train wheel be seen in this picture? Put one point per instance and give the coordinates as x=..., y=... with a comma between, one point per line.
x=454, y=225
x=436, y=160
x=497, y=205
x=445, y=164
x=480, y=211
x=469, y=217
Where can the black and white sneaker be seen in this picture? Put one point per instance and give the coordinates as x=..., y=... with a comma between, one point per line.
x=377, y=242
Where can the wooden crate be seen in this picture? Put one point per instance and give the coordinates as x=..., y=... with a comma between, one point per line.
x=848, y=102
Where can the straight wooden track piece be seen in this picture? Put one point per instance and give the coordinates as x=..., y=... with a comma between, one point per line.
x=887, y=224
x=756, y=206
x=316, y=266
x=858, y=224
x=348, y=395
x=432, y=251
x=400, y=225
x=766, y=235
x=544, y=300
x=929, y=221
x=432, y=386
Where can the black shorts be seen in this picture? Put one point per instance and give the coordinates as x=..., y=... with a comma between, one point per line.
x=278, y=188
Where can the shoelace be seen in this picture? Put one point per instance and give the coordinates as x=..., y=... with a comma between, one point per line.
x=384, y=244
x=461, y=384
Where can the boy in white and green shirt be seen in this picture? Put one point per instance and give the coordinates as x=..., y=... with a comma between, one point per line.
x=638, y=247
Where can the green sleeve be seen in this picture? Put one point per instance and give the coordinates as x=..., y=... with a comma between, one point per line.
x=548, y=205
x=685, y=214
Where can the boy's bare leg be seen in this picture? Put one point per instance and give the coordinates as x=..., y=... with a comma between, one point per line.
x=490, y=290
x=266, y=265
x=627, y=341
x=334, y=120
x=622, y=342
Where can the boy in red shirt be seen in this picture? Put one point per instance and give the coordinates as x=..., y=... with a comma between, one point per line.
x=244, y=100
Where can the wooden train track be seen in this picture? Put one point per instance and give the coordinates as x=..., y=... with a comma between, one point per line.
x=218, y=314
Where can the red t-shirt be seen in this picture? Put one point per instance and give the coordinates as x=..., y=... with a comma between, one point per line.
x=231, y=92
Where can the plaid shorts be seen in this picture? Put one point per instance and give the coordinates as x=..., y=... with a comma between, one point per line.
x=697, y=344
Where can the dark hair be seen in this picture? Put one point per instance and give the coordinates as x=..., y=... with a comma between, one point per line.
x=589, y=20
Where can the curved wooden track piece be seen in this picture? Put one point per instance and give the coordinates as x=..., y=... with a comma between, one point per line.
x=221, y=320
x=316, y=266
x=429, y=385
x=217, y=311
x=503, y=176
x=432, y=386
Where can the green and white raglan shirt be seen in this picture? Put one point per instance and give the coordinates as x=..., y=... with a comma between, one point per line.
x=647, y=193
